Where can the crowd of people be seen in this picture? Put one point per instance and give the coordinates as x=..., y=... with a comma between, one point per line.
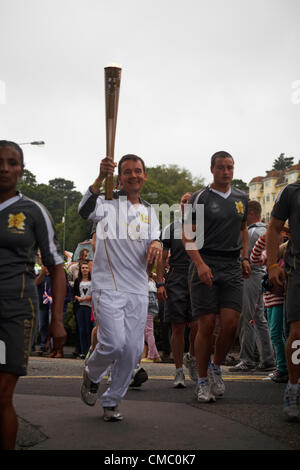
x=212, y=279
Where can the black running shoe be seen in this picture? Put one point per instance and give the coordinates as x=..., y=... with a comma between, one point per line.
x=139, y=378
x=279, y=377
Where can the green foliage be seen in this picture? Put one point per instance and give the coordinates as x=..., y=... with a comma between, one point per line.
x=52, y=196
x=166, y=184
x=240, y=184
x=29, y=178
x=282, y=162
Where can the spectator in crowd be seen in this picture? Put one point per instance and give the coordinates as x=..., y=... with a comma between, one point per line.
x=254, y=329
x=42, y=282
x=83, y=297
x=274, y=302
x=73, y=270
x=152, y=353
x=59, y=353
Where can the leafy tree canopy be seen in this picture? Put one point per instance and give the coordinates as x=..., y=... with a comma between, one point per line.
x=29, y=178
x=240, y=184
x=282, y=162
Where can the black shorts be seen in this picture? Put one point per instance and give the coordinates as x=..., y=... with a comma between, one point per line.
x=16, y=321
x=178, y=305
x=226, y=291
x=292, y=299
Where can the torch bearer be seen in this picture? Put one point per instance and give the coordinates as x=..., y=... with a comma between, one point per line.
x=112, y=74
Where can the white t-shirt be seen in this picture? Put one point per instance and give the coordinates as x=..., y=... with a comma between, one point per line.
x=85, y=289
x=124, y=233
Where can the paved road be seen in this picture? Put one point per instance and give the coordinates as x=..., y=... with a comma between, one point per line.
x=157, y=416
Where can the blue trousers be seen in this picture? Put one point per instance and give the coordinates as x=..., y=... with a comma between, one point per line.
x=275, y=320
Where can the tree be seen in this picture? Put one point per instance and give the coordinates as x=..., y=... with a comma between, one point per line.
x=240, y=184
x=166, y=184
x=282, y=162
x=28, y=178
x=60, y=184
x=52, y=197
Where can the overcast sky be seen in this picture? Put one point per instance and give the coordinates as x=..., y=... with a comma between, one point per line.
x=198, y=76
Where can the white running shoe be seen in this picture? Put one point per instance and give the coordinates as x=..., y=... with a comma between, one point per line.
x=292, y=402
x=203, y=392
x=179, y=380
x=111, y=413
x=89, y=390
x=215, y=380
x=190, y=363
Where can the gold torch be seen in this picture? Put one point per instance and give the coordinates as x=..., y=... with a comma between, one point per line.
x=112, y=74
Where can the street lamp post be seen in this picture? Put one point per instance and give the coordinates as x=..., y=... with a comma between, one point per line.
x=35, y=142
x=64, y=220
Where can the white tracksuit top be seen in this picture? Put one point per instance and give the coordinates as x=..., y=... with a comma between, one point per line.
x=124, y=233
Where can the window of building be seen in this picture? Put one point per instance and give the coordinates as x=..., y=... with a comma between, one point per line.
x=292, y=177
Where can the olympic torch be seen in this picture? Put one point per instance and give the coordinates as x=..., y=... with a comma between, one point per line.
x=112, y=74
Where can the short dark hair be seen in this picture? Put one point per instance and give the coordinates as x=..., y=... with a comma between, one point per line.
x=130, y=156
x=8, y=143
x=255, y=207
x=221, y=154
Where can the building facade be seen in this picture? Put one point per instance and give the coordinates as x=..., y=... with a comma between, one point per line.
x=265, y=189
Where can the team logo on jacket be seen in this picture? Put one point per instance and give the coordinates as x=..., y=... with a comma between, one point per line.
x=239, y=207
x=16, y=221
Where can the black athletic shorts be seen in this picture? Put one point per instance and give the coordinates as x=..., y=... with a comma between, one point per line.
x=226, y=291
x=292, y=298
x=16, y=321
x=178, y=305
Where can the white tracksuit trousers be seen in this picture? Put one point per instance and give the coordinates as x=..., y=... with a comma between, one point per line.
x=121, y=319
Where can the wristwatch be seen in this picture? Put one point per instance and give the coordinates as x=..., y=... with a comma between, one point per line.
x=245, y=259
x=159, y=284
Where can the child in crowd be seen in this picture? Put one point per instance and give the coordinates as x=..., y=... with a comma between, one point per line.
x=152, y=353
x=274, y=303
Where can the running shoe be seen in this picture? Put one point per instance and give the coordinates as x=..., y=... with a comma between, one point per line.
x=179, y=380
x=265, y=367
x=279, y=377
x=139, y=378
x=215, y=380
x=242, y=366
x=89, y=390
x=190, y=363
x=203, y=392
x=291, y=402
x=111, y=413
